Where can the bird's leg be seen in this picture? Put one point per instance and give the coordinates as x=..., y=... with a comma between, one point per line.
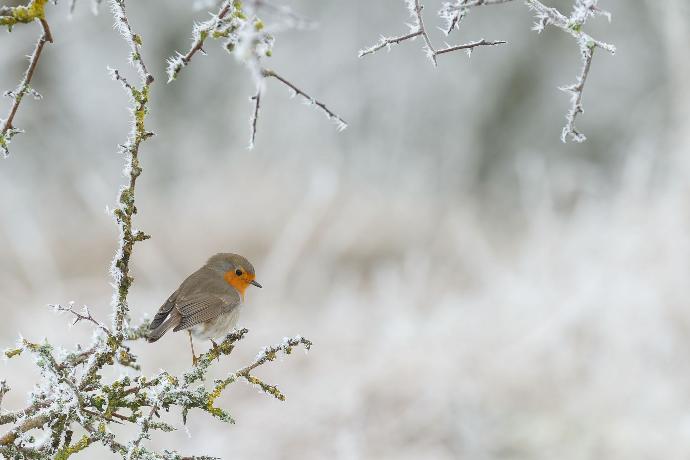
x=194, y=359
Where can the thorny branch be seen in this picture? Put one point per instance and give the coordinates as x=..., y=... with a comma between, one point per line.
x=248, y=38
x=573, y=24
x=431, y=52
x=268, y=73
x=122, y=401
x=73, y=402
x=255, y=116
x=454, y=12
x=85, y=315
x=470, y=46
x=417, y=28
x=200, y=34
x=126, y=208
x=387, y=42
x=10, y=16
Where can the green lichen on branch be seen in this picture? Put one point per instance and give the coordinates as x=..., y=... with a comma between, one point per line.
x=11, y=353
x=75, y=402
x=228, y=23
x=67, y=451
x=245, y=35
x=64, y=404
x=126, y=208
x=9, y=16
x=35, y=9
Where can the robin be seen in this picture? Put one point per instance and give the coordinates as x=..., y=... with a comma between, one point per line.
x=207, y=304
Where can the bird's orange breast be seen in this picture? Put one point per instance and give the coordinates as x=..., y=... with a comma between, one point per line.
x=240, y=284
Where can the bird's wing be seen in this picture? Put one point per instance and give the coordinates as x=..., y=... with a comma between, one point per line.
x=203, y=307
x=164, y=311
x=192, y=285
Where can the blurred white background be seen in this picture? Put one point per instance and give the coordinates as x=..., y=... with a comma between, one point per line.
x=473, y=287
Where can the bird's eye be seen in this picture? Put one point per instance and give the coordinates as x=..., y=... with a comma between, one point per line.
x=238, y=272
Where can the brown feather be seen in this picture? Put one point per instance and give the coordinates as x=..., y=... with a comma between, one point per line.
x=203, y=296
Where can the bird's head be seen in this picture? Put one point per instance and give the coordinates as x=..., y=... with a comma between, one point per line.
x=237, y=271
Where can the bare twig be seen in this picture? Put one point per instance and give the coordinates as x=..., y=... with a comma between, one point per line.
x=454, y=12
x=8, y=129
x=430, y=51
x=340, y=123
x=247, y=38
x=85, y=315
x=255, y=116
x=419, y=29
x=387, y=42
x=470, y=46
x=576, y=91
x=414, y=8
x=573, y=24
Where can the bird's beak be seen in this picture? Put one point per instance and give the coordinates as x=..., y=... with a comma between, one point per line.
x=255, y=283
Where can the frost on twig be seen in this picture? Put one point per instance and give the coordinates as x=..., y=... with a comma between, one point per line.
x=69, y=402
x=453, y=12
x=84, y=315
x=126, y=209
x=75, y=403
x=309, y=100
x=250, y=40
x=417, y=28
x=573, y=25
x=34, y=11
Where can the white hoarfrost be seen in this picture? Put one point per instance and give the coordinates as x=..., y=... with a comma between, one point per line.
x=452, y=13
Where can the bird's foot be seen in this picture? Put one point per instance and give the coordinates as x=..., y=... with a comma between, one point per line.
x=195, y=360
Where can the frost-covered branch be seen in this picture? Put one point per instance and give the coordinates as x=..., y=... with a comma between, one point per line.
x=339, y=122
x=270, y=354
x=468, y=47
x=387, y=42
x=416, y=10
x=84, y=315
x=64, y=406
x=573, y=24
x=200, y=33
x=9, y=16
x=417, y=28
x=266, y=355
x=126, y=208
x=250, y=40
x=74, y=402
x=454, y=12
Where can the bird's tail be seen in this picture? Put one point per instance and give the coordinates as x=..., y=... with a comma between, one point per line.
x=159, y=331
